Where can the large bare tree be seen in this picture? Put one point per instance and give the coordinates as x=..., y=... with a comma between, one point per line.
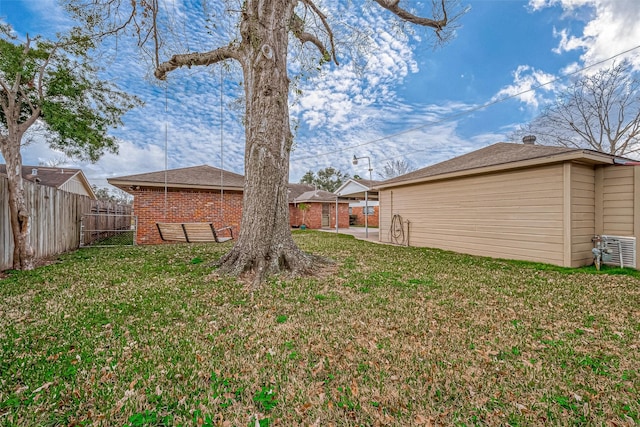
x=261, y=47
x=394, y=168
x=600, y=112
x=52, y=85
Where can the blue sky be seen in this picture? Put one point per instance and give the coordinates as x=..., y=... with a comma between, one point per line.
x=410, y=102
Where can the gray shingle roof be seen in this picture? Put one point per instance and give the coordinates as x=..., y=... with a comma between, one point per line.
x=49, y=176
x=296, y=190
x=317, y=196
x=368, y=183
x=493, y=155
x=203, y=176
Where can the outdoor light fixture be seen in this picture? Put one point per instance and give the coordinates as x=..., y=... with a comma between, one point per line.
x=355, y=162
x=366, y=194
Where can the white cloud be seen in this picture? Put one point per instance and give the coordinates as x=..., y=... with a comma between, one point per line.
x=341, y=109
x=525, y=87
x=342, y=98
x=419, y=134
x=571, y=68
x=568, y=5
x=607, y=28
x=567, y=43
x=131, y=159
x=53, y=17
x=610, y=27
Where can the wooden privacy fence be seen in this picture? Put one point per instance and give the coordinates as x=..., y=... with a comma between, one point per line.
x=55, y=220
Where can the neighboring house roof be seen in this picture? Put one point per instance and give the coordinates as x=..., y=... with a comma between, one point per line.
x=60, y=178
x=317, y=196
x=356, y=188
x=367, y=183
x=296, y=190
x=203, y=177
x=206, y=178
x=500, y=156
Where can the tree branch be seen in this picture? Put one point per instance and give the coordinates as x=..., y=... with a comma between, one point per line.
x=196, y=58
x=35, y=110
x=4, y=86
x=393, y=7
x=42, y=71
x=297, y=28
x=323, y=18
x=25, y=53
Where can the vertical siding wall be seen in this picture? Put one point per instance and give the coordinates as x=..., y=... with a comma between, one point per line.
x=618, y=207
x=582, y=214
x=617, y=200
x=516, y=215
x=74, y=185
x=55, y=225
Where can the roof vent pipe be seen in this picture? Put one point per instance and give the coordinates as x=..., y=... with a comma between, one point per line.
x=529, y=140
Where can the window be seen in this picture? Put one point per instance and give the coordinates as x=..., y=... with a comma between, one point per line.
x=367, y=210
x=350, y=211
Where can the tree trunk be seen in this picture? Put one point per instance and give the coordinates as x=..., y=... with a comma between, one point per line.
x=23, y=254
x=265, y=245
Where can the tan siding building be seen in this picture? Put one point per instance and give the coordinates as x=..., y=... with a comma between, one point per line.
x=582, y=213
x=618, y=201
x=77, y=185
x=515, y=201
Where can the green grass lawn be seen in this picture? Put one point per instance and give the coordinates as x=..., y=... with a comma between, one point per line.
x=392, y=336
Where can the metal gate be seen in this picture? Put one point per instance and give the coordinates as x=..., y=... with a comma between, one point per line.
x=100, y=229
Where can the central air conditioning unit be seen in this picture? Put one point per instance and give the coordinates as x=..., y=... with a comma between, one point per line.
x=623, y=250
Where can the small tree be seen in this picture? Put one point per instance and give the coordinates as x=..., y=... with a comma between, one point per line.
x=328, y=179
x=304, y=208
x=112, y=195
x=600, y=112
x=54, y=85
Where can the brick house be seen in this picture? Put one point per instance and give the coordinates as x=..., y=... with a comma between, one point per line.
x=208, y=194
x=356, y=191
x=357, y=211
x=193, y=194
x=321, y=208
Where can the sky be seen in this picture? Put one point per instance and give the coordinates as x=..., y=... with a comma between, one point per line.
x=396, y=98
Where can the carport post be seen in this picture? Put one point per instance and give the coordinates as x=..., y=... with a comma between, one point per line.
x=336, y=214
x=366, y=194
x=366, y=213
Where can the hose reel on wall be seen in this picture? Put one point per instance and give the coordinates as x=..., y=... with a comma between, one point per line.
x=397, y=232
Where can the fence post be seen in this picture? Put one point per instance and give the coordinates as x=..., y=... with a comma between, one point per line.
x=82, y=231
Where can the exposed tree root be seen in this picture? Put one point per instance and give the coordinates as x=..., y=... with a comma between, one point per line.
x=255, y=269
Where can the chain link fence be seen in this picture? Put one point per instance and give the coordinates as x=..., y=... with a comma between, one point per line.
x=108, y=228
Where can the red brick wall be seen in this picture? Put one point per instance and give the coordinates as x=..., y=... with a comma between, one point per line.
x=184, y=206
x=295, y=215
x=373, y=219
x=343, y=215
x=313, y=215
